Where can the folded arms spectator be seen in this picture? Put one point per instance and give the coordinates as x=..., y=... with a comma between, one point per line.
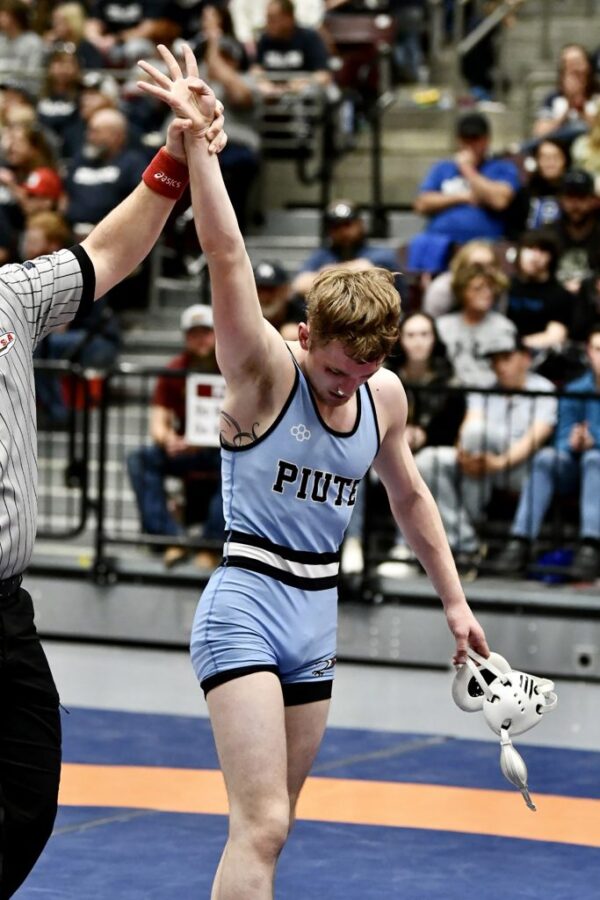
x=466, y=197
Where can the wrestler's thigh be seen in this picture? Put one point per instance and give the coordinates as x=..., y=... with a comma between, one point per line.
x=248, y=721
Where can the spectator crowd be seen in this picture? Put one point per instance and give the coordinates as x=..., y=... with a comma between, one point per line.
x=501, y=288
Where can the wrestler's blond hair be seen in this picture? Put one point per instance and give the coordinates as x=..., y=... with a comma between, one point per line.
x=361, y=310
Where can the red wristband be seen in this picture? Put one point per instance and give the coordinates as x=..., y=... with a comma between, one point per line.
x=166, y=175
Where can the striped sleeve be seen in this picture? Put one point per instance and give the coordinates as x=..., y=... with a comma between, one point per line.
x=50, y=290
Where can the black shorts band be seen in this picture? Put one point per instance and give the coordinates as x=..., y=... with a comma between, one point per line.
x=307, y=691
x=213, y=681
x=293, y=694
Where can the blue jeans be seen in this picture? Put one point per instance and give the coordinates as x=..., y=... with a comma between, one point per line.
x=149, y=466
x=97, y=353
x=563, y=471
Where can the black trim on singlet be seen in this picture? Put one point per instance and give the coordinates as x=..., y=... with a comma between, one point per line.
x=306, y=557
x=294, y=694
x=213, y=681
x=301, y=556
x=375, y=419
x=284, y=409
x=89, y=283
x=307, y=692
x=328, y=428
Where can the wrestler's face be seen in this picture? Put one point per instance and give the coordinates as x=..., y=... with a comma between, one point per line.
x=334, y=376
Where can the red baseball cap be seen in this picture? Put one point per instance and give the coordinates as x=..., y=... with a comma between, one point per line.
x=44, y=182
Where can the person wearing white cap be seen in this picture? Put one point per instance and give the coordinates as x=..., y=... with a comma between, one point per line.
x=170, y=454
x=199, y=315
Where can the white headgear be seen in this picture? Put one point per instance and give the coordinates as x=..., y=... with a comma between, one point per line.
x=512, y=702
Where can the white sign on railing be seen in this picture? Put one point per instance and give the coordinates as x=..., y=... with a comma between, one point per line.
x=204, y=395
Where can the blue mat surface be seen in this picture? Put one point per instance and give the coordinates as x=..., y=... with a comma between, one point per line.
x=116, y=854
x=98, y=736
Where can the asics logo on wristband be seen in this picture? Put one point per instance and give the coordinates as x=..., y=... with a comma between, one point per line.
x=172, y=182
x=166, y=175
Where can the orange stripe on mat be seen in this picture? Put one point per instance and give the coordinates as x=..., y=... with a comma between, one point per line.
x=567, y=820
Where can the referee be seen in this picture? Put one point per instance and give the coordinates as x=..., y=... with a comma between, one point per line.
x=35, y=297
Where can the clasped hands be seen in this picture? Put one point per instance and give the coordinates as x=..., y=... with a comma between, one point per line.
x=580, y=438
x=199, y=115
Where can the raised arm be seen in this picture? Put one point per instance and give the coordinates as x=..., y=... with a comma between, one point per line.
x=120, y=242
x=417, y=515
x=246, y=344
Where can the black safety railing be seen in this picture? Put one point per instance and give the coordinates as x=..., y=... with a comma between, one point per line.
x=64, y=498
x=307, y=127
x=479, y=509
x=123, y=428
x=84, y=483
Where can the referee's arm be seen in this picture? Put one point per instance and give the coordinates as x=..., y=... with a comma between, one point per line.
x=120, y=242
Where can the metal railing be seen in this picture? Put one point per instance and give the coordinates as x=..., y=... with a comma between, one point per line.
x=306, y=127
x=64, y=498
x=85, y=487
x=449, y=28
x=483, y=506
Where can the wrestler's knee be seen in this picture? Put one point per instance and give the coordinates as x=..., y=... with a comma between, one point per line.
x=264, y=825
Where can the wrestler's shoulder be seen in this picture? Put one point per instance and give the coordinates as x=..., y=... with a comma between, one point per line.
x=389, y=398
x=387, y=383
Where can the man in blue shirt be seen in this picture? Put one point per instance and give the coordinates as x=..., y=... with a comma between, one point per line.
x=573, y=461
x=466, y=197
x=346, y=245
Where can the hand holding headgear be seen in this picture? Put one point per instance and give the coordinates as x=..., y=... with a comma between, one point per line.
x=512, y=702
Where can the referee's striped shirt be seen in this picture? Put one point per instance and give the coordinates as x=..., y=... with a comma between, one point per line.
x=35, y=297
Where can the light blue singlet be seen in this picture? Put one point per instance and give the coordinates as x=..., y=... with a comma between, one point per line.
x=288, y=498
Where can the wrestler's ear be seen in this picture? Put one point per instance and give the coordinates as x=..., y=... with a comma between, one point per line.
x=304, y=335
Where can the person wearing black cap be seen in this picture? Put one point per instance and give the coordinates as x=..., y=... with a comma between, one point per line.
x=498, y=436
x=465, y=197
x=279, y=306
x=578, y=230
x=346, y=245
